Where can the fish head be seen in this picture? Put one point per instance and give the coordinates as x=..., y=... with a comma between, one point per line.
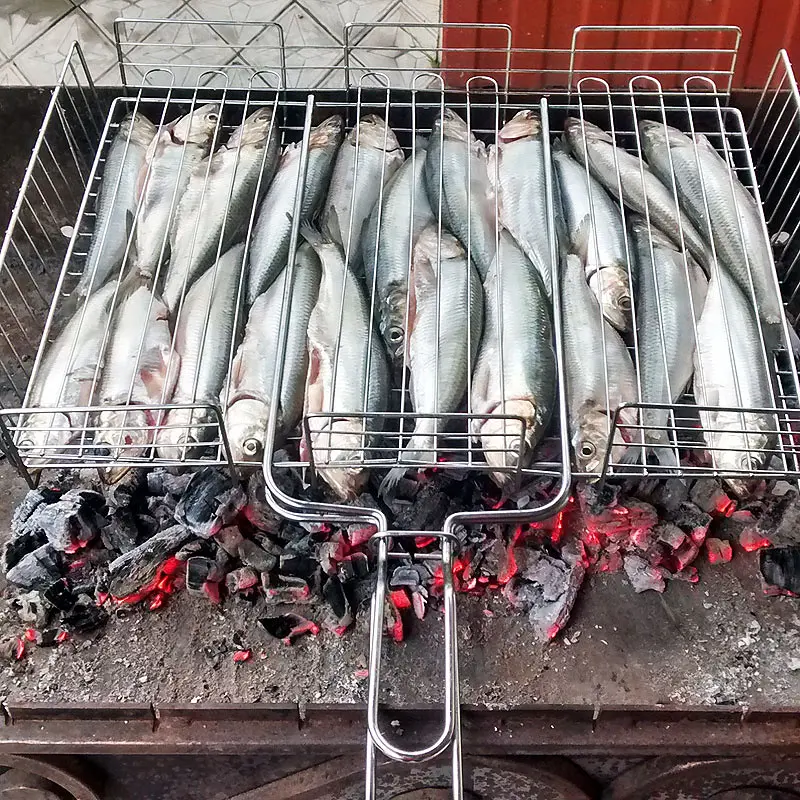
x=434, y=244
x=197, y=127
x=246, y=426
x=138, y=129
x=123, y=434
x=612, y=288
x=576, y=129
x=338, y=447
x=254, y=130
x=43, y=435
x=590, y=441
x=183, y=430
x=327, y=133
x=524, y=124
x=508, y=443
x=372, y=131
x=735, y=451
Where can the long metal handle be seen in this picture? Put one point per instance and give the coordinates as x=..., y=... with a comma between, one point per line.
x=450, y=735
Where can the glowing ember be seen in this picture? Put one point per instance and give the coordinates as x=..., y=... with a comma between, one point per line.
x=19, y=650
x=240, y=656
x=62, y=637
x=162, y=584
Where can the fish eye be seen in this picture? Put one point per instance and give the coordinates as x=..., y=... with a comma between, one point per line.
x=395, y=335
x=212, y=116
x=624, y=302
x=25, y=444
x=587, y=449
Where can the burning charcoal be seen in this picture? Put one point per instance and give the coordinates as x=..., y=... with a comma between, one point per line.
x=286, y=589
x=209, y=502
x=334, y=594
x=60, y=596
x=135, y=569
x=396, y=602
x=708, y=495
x=690, y=519
x=120, y=534
x=229, y=540
x=258, y=512
x=718, y=551
x=595, y=500
x=71, y=522
x=353, y=567
x=256, y=557
x=197, y=571
x=241, y=580
x=330, y=553
x=31, y=609
x=407, y=576
x=671, y=535
x=685, y=554
x=780, y=567
x=38, y=569
x=161, y=510
x=752, y=538
x=359, y=533
x=288, y=627
x=223, y=563
x=427, y=512
x=29, y=504
x=643, y=576
x=85, y=616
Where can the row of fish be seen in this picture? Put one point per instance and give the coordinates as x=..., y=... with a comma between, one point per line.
x=408, y=280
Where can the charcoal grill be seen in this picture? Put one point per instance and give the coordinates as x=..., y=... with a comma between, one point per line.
x=40, y=267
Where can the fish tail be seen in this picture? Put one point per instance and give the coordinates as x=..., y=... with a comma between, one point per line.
x=421, y=448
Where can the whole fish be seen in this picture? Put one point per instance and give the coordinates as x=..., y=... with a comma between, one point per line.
x=517, y=165
x=203, y=349
x=520, y=380
x=218, y=201
x=642, y=191
x=387, y=257
x=671, y=296
x=67, y=377
x=598, y=379
x=596, y=232
x=135, y=373
x=247, y=397
x=175, y=151
x=704, y=180
x=269, y=247
x=369, y=156
x=447, y=298
x=116, y=201
x=347, y=372
x=730, y=371
x=457, y=163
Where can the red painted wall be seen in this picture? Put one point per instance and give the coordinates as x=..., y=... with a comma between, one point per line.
x=767, y=26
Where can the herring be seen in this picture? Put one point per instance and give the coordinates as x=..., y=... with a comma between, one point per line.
x=204, y=340
x=456, y=175
x=117, y=199
x=599, y=377
x=517, y=168
x=715, y=199
x=368, y=158
x=642, y=191
x=387, y=248
x=247, y=396
x=596, y=232
x=670, y=300
x=218, y=202
x=269, y=247
x=443, y=342
x=521, y=380
x=173, y=154
x=348, y=373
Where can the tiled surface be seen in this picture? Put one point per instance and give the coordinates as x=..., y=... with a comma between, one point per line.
x=36, y=35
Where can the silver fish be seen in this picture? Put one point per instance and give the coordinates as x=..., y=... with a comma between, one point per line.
x=387, y=257
x=596, y=232
x=68, y=376
x=247, y=397
x=269, y=247
x=642, y=191
x=175, y=151
x=372, y=149
x=704, y=179
x=520, y=380
x=730, y=371
x=517, y=165
x=670, y=299
x=202, y=353
x=341, y=341
x=218, y=201
x=447, y=298
x=135, y=374
x=116, y=201
x=457, y=161
x=599, y=379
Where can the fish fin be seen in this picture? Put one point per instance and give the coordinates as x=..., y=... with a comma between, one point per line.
x=580, y=242
x=559, y=145
x=665, y=456
x=314, y=386
x=632, y=455
x=389, y=484
x=312, y=234
x=331, y=227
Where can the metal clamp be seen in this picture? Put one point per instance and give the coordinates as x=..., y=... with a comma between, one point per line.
x=450, y=735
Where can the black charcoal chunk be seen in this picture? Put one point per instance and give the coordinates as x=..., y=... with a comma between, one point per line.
x=60, y=596
x=38, y=569
x=32, y=500
x=258, y=511
x=84, y=617
x=72, y=521
x=21, y=545
x=133, y=570
x=780, y=566
x=121, y=534
x=198, y=569
x=210, y=501
x=256, y=557
x=337, y=599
